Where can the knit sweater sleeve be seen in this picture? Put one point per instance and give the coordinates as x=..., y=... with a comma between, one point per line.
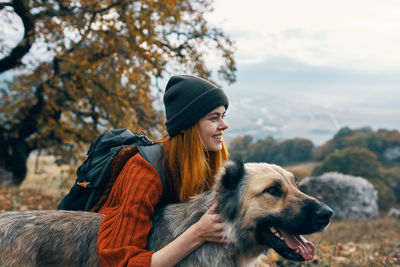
x=123, y=233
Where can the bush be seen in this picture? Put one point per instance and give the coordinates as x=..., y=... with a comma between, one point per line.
x=302, y=150
x=353, y=160
x=386, y=196
x=392, y=178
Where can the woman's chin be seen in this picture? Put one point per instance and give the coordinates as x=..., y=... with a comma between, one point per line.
x=215, y=147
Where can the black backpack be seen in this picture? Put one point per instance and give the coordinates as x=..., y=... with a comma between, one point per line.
x=106, y=157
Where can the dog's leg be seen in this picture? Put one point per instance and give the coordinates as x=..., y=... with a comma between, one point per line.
x=266, y=259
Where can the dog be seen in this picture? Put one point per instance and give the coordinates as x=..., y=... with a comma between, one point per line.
x=261, y=205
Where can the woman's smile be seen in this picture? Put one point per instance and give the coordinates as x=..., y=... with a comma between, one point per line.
x=212, y=127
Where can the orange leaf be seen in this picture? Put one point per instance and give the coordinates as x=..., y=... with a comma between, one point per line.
x=324, y=249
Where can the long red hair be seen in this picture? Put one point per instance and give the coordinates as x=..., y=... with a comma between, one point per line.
x=190, y=166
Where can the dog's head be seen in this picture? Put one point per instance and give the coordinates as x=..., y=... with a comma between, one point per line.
x=266, y=204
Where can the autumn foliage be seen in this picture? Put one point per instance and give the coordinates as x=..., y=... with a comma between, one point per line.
x=99, y=61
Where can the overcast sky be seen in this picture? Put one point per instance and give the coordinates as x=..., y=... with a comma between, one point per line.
x=359, y=34
x=340, y=56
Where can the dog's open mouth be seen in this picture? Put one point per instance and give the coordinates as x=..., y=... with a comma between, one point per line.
x=290, y=246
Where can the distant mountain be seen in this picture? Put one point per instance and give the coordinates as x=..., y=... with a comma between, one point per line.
x=261, y=116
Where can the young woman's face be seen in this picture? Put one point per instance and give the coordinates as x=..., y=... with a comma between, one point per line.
x=212, y=127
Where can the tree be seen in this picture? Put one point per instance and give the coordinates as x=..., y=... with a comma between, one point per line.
x=105, y=58
x=264, y=150
x=238, y=146
x=324, y=150
x=376, y=141
x=302, y=150
x=342, y=133
x=353, y=160
x=285, y=152
x=270, y=150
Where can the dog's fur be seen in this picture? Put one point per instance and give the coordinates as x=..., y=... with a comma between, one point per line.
x=251, y=197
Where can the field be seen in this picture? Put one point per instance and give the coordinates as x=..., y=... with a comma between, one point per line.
x=344, y=243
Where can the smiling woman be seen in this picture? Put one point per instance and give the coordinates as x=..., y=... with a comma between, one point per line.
x=212, y=127
x=192, y=153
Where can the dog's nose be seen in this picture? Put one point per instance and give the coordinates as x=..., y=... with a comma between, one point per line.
x=323, y=214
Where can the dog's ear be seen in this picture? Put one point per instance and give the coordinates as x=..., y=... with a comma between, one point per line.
x=228, y=193
x=234, y=172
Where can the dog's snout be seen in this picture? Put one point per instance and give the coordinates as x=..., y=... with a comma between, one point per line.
x=323, y=214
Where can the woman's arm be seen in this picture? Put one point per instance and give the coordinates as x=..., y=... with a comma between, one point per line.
x=124, y=230
x=208, y=228
x=123, y=233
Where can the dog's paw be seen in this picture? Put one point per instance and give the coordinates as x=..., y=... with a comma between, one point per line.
x=267, y=260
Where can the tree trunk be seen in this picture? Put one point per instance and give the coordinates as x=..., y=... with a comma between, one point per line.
x=13, y=159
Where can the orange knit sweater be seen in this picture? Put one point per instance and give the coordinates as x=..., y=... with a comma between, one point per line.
x=122, y=237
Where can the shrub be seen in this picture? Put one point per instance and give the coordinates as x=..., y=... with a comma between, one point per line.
x=392, y=178
x=353, y=160
x=386, y=196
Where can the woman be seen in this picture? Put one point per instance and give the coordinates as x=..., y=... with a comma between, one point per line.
x=193, y=151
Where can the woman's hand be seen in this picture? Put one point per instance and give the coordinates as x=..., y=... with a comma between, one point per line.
x=210, y=226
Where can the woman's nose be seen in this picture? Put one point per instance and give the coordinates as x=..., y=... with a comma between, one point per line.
x=223, y=125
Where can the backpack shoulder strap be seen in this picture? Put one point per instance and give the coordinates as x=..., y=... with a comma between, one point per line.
x=154, y=155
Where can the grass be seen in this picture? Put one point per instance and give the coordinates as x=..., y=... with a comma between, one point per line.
x=45, y=185
x=48, y=178
x=302, y=170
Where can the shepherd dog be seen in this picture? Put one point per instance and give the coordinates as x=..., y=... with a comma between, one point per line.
x=261, y=205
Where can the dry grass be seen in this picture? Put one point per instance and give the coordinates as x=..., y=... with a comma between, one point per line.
x=48, y=178
x=45, y=185
x=302, y=170
x=17, y=199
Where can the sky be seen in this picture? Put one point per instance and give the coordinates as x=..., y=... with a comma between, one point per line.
x=317, y=65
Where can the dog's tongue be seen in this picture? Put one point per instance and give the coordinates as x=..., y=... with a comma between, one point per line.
x=299, y=242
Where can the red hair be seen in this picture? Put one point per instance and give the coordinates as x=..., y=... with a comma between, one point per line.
x=190, y=166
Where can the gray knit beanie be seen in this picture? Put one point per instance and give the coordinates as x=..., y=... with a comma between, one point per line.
x=187, y=99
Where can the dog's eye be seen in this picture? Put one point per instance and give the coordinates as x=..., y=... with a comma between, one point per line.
x=273, y=190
